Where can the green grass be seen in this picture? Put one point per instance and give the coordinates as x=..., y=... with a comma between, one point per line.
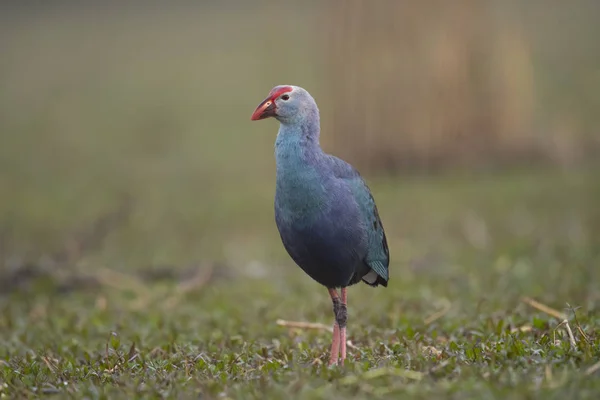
x=469, y=246
x=179, y=296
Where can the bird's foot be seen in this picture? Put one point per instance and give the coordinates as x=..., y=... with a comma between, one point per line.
x=338, y=343
x=342, y=345
x=335, y=345
x=338, y=347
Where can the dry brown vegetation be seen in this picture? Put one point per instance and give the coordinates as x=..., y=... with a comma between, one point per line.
x=435, y=83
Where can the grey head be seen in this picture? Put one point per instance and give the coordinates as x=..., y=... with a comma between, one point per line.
x=289, y=104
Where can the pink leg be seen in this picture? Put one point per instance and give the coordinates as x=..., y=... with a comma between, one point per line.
x=335, y=343
x=343, y=328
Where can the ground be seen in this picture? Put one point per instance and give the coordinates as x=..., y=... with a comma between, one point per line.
x=471, y=256
x=139, y=255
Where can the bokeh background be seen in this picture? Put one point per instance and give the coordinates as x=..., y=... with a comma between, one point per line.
x=475, y=123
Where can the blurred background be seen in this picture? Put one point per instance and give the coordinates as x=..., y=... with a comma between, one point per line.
x=475, y=123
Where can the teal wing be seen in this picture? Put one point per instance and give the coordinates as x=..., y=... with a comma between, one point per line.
x=378, y=254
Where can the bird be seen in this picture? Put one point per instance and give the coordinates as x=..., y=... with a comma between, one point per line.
x=325, y=213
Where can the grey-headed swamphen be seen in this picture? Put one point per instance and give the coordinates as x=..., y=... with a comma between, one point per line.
x=324, y=211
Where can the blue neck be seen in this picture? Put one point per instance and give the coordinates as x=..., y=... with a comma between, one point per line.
x=300, y=193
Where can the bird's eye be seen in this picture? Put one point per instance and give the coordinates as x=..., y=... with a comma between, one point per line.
x=285, y=97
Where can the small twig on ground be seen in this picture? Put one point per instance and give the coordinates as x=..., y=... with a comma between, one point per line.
x=49, y=364
x=350, y=345
x=202, y=277
x=578, y=325
x=438, y=314
x=569, y=332
x=555, y=313
x=304, y=325
x=544, y=308
x=316, y=361
x=593, y=368
x=583, y=335
x=524, y=328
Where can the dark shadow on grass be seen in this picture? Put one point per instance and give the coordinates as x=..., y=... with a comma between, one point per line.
x=58, y=273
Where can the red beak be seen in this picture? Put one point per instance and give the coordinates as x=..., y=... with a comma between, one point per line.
x=264, y=110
